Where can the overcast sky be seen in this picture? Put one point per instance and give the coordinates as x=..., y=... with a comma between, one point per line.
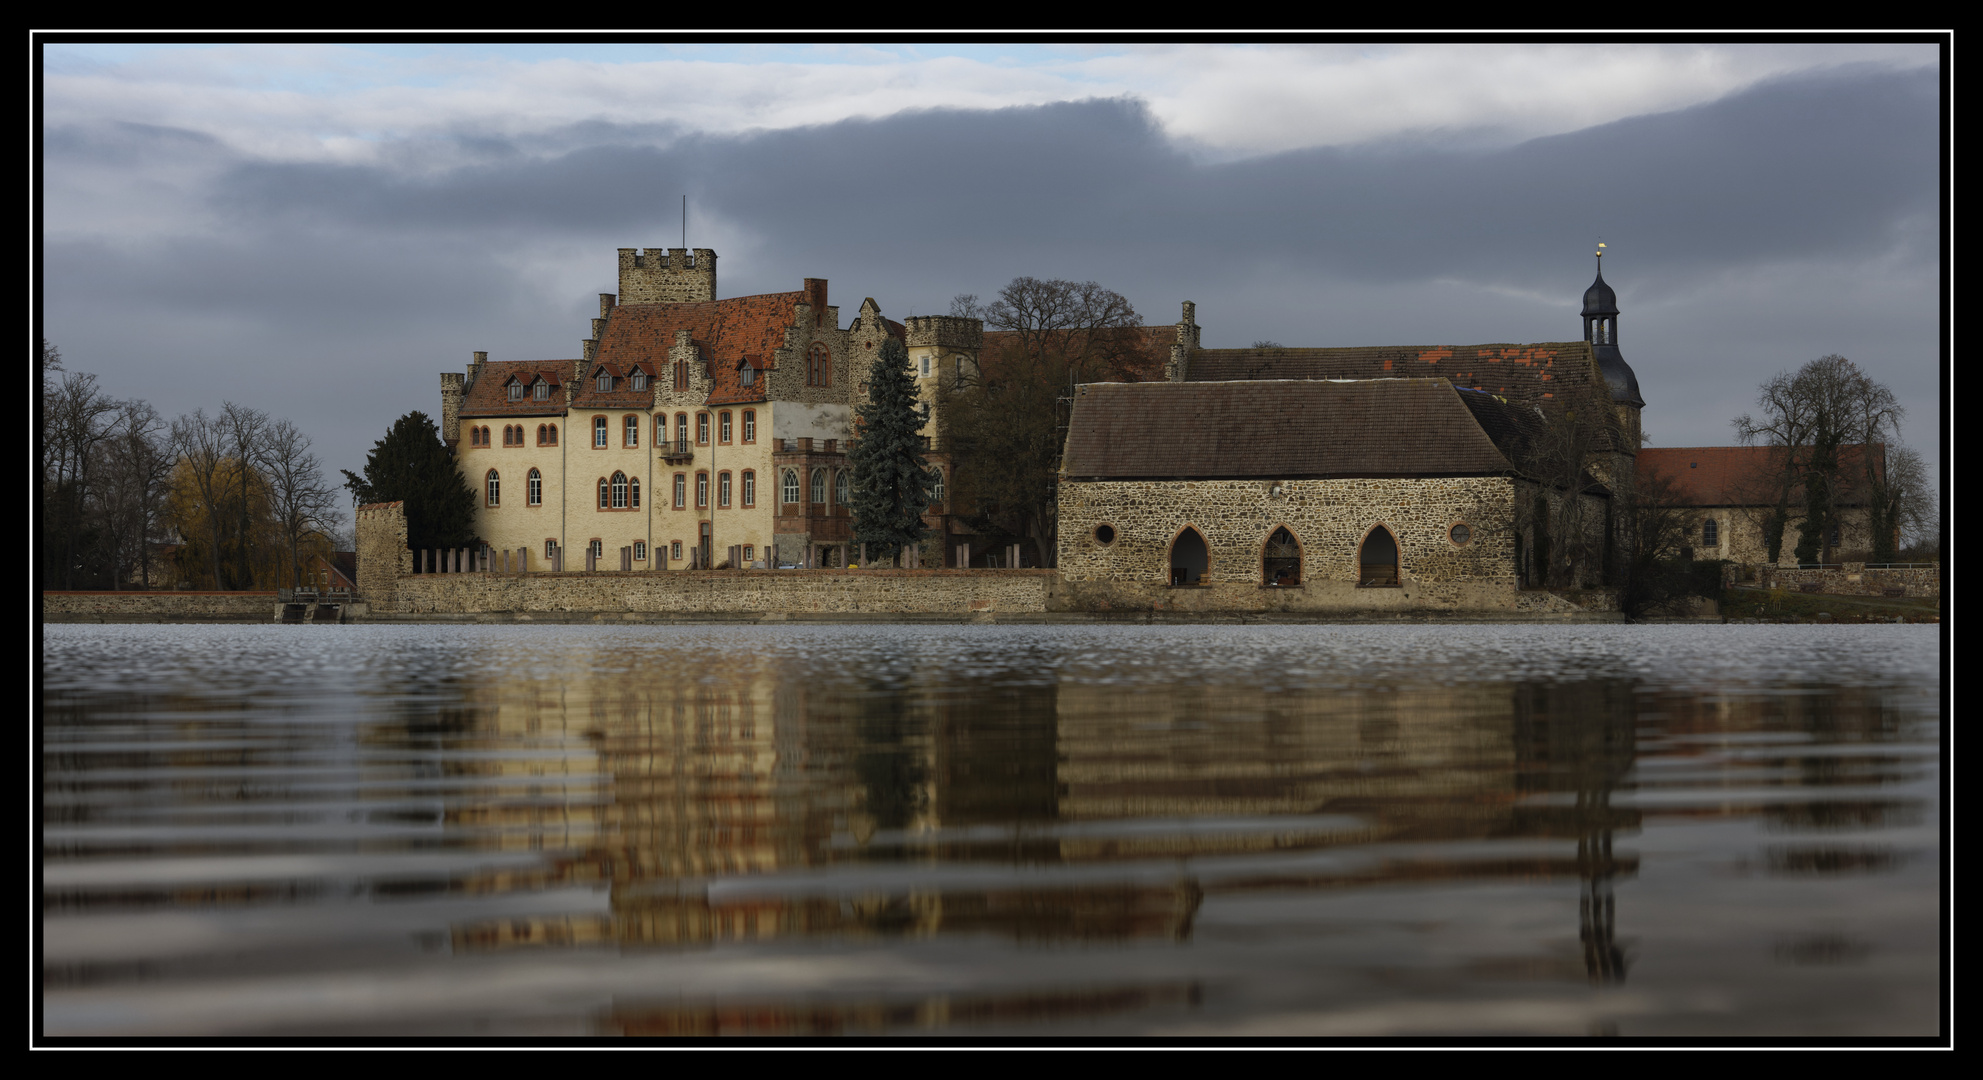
x=319, y=230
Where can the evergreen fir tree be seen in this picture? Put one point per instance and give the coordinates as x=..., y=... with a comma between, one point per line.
x=892, y=480
x=411, y=465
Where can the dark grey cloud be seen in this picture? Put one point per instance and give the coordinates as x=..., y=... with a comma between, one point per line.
x=1748, y=235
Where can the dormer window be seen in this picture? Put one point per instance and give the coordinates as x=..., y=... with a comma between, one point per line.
x=516, y=391
x=747, y=375
x=605, y=382
x=639, y=379
x=542, y=391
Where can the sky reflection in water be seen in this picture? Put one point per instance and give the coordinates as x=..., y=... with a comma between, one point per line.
x=979, y=831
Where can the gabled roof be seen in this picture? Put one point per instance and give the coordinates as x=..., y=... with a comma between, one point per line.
x=1743, y=475
x=488, y=396
x=1279, y=429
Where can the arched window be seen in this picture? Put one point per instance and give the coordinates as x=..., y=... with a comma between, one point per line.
x=681, y=490
x=840, y=487
x=750, y=487
x=605, y=494
x=819, y=365
x=619, y=491
x=495, y=488
x=535, y=485
x=632, y=427
x=702, y=429
x=681, y=431
x=551, y=434
x=750, y=425
x=723, y=427
x=639, y=379
x=702, y=489
x=599, y=431
x=791, y=485
x=516, y=390
x=1280, y=560
x=681, y=374
x=936, y=491
x=1710, y=533
x=723, y=490
x=633, y=492
x=1377, y=560
x=1189, y=557
x=818, y=486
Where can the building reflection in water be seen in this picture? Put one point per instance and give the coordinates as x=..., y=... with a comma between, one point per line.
x=853, y=802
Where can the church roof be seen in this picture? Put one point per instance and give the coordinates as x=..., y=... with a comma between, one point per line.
x=1281, y=429
x=1544, y=373
x=1599, y=299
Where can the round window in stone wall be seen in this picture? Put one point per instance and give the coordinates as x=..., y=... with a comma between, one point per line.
x=1105, y=534
x=1460, y=534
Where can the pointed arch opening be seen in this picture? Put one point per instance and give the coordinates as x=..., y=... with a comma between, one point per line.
x=1280, y=559
x=1377, y=560
x=1189, y=557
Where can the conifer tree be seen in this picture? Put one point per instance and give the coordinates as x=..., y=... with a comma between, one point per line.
x=411, y=465
x=892, y=480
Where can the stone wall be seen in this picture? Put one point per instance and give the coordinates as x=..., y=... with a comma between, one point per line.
x=726, y=592
x=383, y=558
x=1854, y=579
x=161, y=606
x=1330, y=519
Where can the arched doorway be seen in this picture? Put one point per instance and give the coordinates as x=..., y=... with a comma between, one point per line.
x=1377, y=562
x=1280, y=560
x=1189, y=557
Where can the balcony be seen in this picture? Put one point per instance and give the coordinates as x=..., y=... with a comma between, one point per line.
x=676, y=451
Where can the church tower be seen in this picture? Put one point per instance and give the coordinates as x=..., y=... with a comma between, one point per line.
x=1601, y=331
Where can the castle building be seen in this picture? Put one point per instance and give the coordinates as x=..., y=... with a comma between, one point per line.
x=692, y=431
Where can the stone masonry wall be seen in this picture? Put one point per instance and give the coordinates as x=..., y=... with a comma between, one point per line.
x=727, y=591
x=1853, y=579
x=383, y=558
x=160, y=606
x=1330, y=520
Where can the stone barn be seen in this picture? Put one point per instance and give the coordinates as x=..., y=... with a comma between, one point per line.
x=1286, y=495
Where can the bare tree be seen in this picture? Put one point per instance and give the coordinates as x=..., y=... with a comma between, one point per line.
x=136, y=474
x=1809, y=417
x=76, y=417
x=1658, y=524
x=1005, y=419
x=299, y=496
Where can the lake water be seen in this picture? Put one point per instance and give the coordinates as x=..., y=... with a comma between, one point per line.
x=991, y=831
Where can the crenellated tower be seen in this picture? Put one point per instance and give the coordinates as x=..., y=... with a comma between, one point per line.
x=667, y=276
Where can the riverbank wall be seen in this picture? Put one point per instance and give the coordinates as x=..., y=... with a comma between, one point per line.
x=84, y=606
x=1855, y=579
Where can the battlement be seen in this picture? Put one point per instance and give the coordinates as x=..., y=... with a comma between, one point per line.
x=667, y=276
x=944, y=331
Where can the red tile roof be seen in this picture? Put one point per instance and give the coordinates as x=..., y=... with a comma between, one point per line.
x=622, y=395
x=489, y=394
x=1742, y=475
x=724, y=331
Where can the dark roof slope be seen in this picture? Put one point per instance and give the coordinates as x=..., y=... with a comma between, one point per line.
x=1284, y=429
x=489, y=394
